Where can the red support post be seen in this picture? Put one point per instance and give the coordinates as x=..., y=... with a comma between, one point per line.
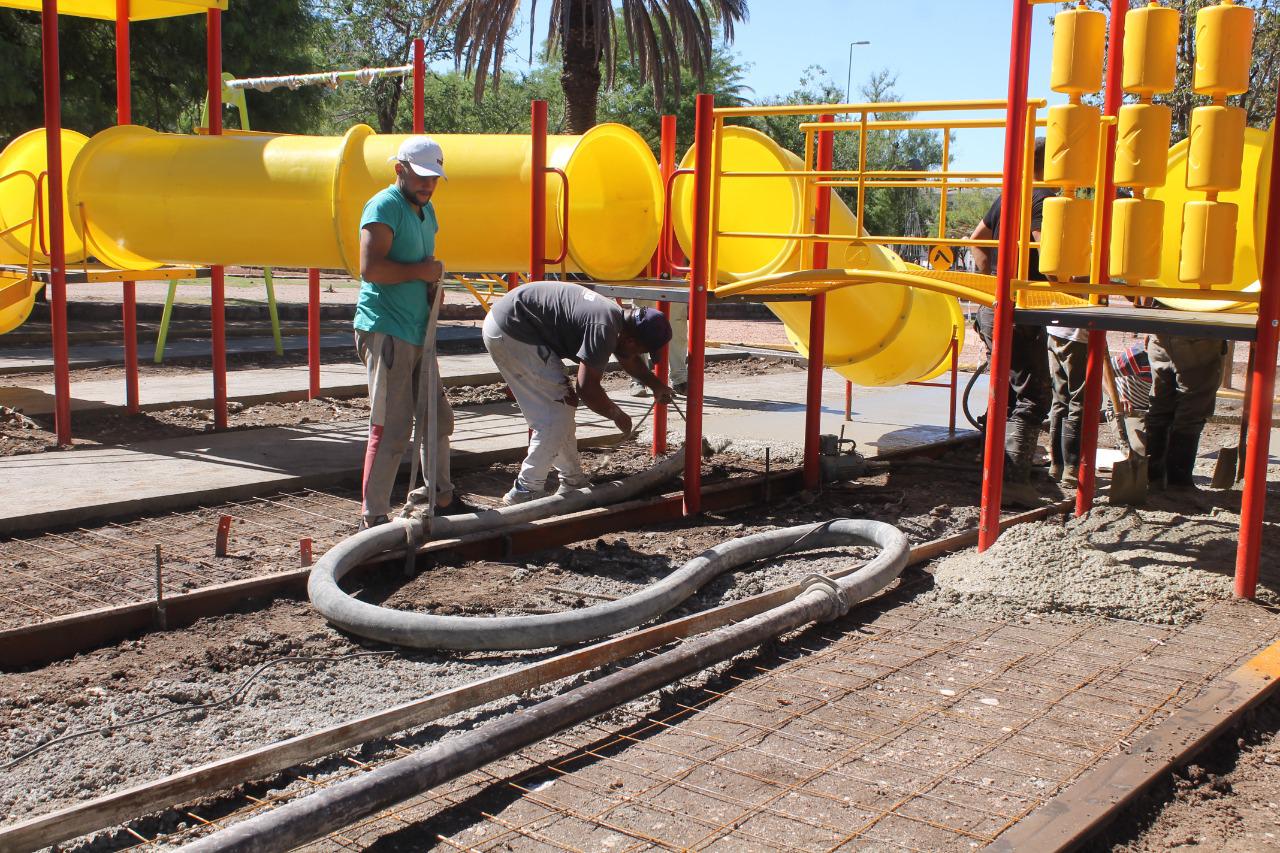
x=313, y=333
x=700, y=278
x=419, y=85
x=667, y=165
x=52, y=71
x=217, y=281
x=848, y=400
x=955, y=382
x=1113, y=97
x=817, y=320
x=124, y=115
x=538, y=192
x=1010, y=225
x=1262, y=376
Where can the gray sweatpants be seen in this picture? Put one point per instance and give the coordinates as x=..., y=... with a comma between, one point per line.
x=392, y=365
x=537, y=379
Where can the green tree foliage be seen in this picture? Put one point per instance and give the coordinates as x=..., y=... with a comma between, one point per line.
x=904, y=211
x=667, y=38
x=168, y=68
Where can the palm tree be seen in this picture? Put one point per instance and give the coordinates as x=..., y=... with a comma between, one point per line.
x=663, y=34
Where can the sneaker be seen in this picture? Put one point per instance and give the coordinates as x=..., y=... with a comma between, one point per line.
x=568, y=486
x=367, y=521
x=457, y=506
x=517, y=495
x=638, y=390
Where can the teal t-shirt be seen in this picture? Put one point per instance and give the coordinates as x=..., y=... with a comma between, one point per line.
x=399, y=310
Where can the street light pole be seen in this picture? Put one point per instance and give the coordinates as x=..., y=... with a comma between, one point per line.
x=848, y=83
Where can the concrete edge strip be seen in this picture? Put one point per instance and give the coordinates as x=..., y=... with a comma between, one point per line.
x=208, y=779
x=1090, y=803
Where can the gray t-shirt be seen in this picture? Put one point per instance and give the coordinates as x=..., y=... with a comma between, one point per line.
x=568, y=319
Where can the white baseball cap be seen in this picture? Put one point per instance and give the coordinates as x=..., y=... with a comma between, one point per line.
x=423, y=155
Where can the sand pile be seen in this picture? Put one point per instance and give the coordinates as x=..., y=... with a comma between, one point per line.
x=1150, y=565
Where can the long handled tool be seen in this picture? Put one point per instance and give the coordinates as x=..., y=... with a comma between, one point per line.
x=426, y=412
x=1128, y=475
x=1230, y=465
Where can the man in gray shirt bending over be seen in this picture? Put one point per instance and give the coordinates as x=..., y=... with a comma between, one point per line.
x=529, y=331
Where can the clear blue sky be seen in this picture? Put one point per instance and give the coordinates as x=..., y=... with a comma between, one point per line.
x=939, y=49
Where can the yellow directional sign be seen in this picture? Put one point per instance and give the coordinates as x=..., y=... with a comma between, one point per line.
x=942, y=257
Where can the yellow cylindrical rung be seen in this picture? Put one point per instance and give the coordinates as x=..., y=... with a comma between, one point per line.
x=1078, y=37
x=1071, y=145
x=1137, y=228
x=1142, y=145
x=1224, y=49
x=1217, y=149
x=1150, y=50
x=1066, y=237
x=1208, y=242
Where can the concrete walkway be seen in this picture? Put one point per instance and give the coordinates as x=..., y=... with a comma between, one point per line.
x=92, y=484
x=246, y=386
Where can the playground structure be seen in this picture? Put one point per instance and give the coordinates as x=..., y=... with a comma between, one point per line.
x=599, y=208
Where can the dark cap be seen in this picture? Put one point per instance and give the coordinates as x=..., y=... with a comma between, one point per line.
x=651, y=328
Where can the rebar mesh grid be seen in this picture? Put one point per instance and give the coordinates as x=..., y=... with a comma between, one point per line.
x=907, y=730
x=58, y=574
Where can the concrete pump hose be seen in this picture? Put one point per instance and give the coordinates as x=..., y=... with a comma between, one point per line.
x=345, y=803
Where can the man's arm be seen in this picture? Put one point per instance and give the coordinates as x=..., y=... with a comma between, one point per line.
x=636, y=368
x=377, y=268
x=981, y=257
x=592, y=394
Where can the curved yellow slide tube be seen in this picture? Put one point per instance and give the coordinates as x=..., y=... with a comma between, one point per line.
x=876, y=334
x=153, y=198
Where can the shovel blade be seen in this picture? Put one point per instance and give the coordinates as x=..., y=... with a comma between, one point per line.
x=1224, y=470
x=1129, y=481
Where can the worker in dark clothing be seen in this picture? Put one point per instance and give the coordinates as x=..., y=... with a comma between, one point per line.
x=1029, y=388
x=1185, y=374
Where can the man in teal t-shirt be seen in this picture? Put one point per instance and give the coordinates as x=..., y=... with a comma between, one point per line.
x=397, y=270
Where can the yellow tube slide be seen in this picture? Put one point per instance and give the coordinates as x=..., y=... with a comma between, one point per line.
x=26, y=154
x=247, y=198
x=876, y=334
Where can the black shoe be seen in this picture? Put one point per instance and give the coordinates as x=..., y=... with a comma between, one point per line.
x=368, y=521
x=457, y=506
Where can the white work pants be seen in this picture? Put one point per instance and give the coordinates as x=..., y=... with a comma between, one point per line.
x=537, y=379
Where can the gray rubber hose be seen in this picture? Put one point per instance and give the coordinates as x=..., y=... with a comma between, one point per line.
x=420, y=630
x=352, y=800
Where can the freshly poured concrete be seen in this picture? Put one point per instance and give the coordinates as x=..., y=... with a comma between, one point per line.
x=754, y=411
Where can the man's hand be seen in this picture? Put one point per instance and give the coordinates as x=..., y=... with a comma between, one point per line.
x=570, y=397
x=663, y=394
x=622, y=420
x=430, y=270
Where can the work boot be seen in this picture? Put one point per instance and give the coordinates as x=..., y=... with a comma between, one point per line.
x=1020, y=448
x=1157, y=446
x=1070, y=477
x=517, y=495
x=1180, y=460
x=457, y=506
x=367, y=521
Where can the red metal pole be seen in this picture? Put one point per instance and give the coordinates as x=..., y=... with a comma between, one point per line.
x=667, y=165
x=700, y=277
x=313, y=333
x=57, y=246
x=419, y=86
x=955, y=382
x=538, y=192
x=1112, y=99
x=848, y=400
x=217, y=282
x=1002, y=335
x=1263, y=379
x=124, y=115
x=817, y=321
